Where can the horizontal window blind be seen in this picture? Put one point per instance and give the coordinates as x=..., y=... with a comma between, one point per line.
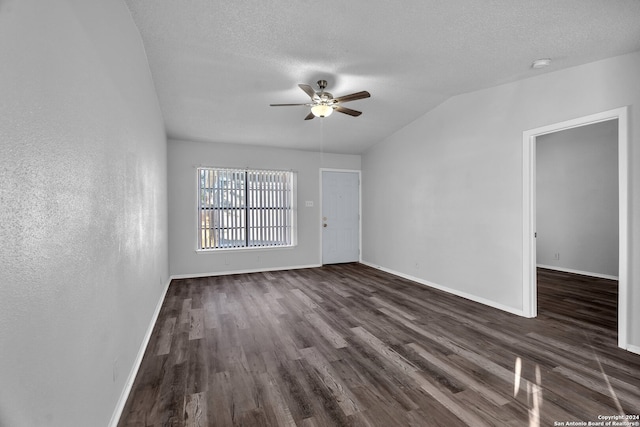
x=244, y=208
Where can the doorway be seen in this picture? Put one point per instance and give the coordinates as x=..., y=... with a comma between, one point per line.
x=529, y=212
x=577, y=200
x=340, y=216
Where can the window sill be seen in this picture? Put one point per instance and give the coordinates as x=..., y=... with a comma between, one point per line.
x=252, y=249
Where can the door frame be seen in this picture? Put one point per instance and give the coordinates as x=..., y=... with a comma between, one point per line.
x=359, y=172
x=529, y=276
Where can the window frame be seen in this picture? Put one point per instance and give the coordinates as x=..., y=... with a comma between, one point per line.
x=246, y=208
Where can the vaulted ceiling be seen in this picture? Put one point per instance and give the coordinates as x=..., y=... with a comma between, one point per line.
x=217, y=65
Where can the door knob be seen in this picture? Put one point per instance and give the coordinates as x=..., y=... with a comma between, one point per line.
x=324, y=225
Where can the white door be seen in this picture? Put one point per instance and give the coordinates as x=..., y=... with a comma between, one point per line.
x=340, y=217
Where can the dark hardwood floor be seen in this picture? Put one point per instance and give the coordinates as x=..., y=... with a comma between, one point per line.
x=577, y=299
x=351, y=345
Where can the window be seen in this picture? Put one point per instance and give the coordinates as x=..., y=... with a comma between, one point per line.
x=244, y=208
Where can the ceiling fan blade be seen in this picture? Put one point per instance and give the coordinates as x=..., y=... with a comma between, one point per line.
x=308, y=90
x=353, y=96
x=309, y=116
x=348, y=111
x=285, y=105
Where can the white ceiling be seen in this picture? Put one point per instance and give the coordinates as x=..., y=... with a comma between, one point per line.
x=217, y=65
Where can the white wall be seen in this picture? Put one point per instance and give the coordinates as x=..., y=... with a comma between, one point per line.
x=577, y=199
x=185, y=156
x=83, y=224
x=442, y=197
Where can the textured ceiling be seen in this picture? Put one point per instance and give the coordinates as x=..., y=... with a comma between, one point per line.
x=217, y=65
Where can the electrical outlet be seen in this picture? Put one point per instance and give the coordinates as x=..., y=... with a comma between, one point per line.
x=556, y=256
x=308, y=203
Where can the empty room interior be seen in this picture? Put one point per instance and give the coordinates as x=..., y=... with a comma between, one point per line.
x=220, y=213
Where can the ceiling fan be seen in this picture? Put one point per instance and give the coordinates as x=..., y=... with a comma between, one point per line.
x=323, y=103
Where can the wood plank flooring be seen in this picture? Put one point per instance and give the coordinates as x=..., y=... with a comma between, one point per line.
x=563, y=295
x=348, y=345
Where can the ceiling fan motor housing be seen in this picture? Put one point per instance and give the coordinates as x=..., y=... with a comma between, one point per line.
x=326, y=97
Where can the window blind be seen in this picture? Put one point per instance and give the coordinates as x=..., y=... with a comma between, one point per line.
x=244, y=208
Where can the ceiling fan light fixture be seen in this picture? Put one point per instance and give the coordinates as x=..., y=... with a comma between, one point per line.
x=321, y=110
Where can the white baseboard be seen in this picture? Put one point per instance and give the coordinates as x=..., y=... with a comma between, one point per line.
x=117, y=413
x=449, y=290
x=583, y=273
x=253, y=270
x=633, y=349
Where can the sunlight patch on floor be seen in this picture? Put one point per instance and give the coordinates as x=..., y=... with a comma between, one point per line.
x=534, y=391
x=517, y=374
x=606, y=380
